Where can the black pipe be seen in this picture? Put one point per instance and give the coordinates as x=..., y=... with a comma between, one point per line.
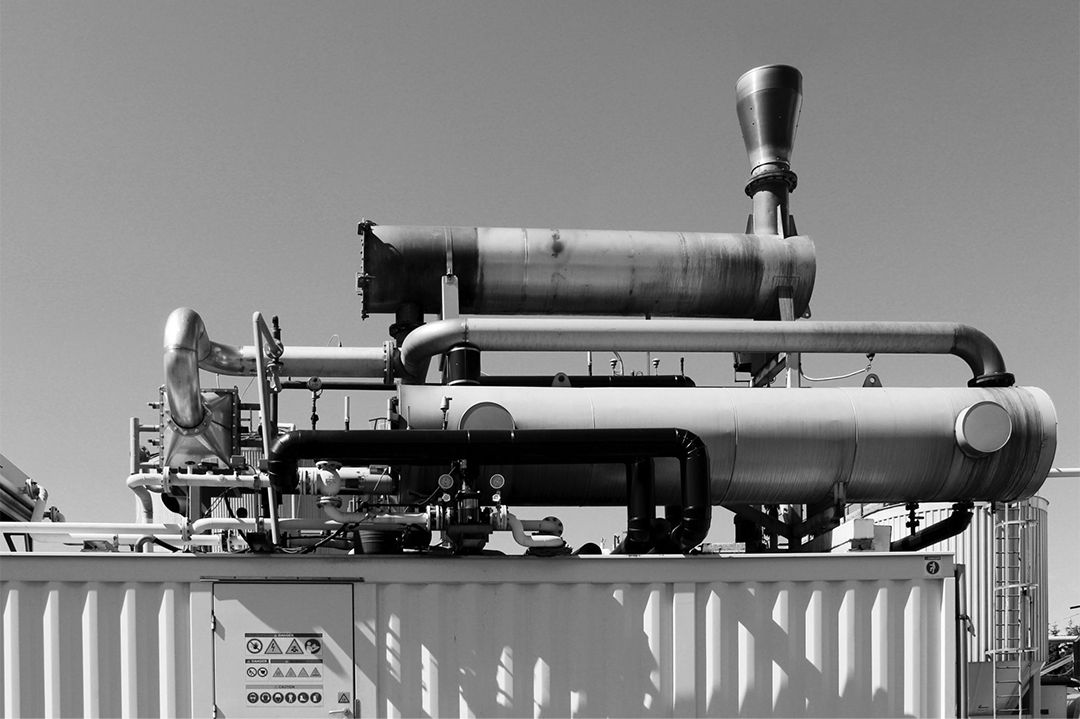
x=426, y=447
x=640, y=507
x=952, y=525
x=561, y=379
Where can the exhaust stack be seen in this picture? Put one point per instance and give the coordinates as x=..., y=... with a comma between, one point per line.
x=768, y=102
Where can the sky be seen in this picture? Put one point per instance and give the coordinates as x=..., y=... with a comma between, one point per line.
x=218, y=155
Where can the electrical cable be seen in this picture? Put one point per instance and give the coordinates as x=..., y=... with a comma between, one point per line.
x=869, y=363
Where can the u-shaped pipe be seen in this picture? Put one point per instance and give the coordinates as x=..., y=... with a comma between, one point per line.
x=683, y=335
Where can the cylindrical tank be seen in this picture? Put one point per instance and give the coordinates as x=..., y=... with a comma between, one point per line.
x=504, y=270
x=974, y=548
x=774, y=446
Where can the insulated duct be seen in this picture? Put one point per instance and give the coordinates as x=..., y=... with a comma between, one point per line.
x=188, y=348
x=679, y=335
x=768, y=447
x=502, y=271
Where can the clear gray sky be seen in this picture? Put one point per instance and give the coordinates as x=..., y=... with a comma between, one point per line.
x=219, y=154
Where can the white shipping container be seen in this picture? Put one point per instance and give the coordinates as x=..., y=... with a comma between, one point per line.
x=149, y=635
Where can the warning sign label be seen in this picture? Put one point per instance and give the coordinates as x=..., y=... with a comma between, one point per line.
x=283, y=669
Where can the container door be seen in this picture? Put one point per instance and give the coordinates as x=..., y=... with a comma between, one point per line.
x=283, y=650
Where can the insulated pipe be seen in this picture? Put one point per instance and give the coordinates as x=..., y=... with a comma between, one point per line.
x=640, y=506
x=792, y=446
x=952, y=525
x=513, y=270
x=157, y=481
x=511, y=447
x=680, y=335
x=376, y=521
x=188, y=349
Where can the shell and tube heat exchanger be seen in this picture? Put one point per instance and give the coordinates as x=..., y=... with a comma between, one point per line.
x=641, y=441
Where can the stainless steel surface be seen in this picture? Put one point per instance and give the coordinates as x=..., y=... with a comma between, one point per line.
x=780, y=446
x=682, y=335
x=829, y=636
x=599, y=272
x=768, y=99
x=768, y=102
x=188, y=348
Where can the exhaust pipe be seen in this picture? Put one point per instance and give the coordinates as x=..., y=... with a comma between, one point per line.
x=768, y=102
x=675, y=335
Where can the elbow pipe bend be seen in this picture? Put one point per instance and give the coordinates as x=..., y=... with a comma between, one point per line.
x=982, y=356
x=187, y=349
x=696, y=492
x=537, y=446
x=573, y=334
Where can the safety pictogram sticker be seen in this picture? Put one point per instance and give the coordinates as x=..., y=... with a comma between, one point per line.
x=343, y=698
x=273, y=647
x=294, y=648
x=254, y=646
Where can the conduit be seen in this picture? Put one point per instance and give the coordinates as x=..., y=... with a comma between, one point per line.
x=511, y=447
x=188, y=349
x=682, y=335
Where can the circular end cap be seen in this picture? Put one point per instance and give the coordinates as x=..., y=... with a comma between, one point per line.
x=486, y=415
x=983, y=428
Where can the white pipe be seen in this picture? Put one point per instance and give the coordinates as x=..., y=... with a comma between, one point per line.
x=529, y=540
x=330, y=480
x=1056, y=472
x=40, y=505
x=376, y=521
x=141, y=530
x=211, y=524
x=156, y=481
x=121, y=538
x=683, y=335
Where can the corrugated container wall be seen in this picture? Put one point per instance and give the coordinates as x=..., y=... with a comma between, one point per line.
x=974, y=548
x=151, y=635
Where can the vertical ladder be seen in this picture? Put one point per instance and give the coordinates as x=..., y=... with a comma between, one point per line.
x=1014, y=643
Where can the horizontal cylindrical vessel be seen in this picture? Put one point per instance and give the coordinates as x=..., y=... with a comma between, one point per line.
x=504, y=270
x=774, y=446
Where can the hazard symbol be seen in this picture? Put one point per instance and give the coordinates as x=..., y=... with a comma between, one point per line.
x=303, y=672
x=315, y=673
x=254, y=646
x=277, y=672
x=273, y=648
x=294, y=648
x=343, y=698
x=291, y=672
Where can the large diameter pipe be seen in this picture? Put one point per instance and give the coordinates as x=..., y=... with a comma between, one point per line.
x=188, y=348
x=502, y=270
x=779, y=446
x=679, y=335
x=420, y=448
